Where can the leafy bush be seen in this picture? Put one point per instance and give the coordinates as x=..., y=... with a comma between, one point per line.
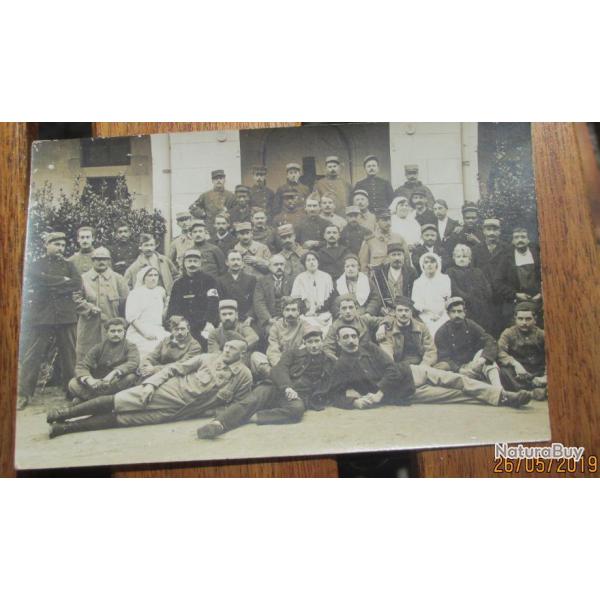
x=101, y=210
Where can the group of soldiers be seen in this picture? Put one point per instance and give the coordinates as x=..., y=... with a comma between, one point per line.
x=278, y=302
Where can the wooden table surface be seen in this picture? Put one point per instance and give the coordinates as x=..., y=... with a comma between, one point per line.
x=568, y=192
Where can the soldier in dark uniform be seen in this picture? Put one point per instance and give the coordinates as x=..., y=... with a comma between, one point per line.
x=300, y=382
x=241, y=211
x=214, y=201
x=412, y=185
x=260, y=195
x=224, y=238
x=213, y=260
x=423, y=214
x=195, y=297
x=471, y=234
x=237, y=285
x=124, y=250
x=354, y=234
x=379, y=190
x=310, y=229
x=291, y=212
x=292, y=184
x=333, y=254
x=485, y=255
x=50, y=283
x=262, y=232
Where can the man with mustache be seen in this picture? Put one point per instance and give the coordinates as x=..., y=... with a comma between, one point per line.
x=379, y=190
x=333, y=186
x=292, y=185
x=230, y=328
x=214, y=201
x=261, y=196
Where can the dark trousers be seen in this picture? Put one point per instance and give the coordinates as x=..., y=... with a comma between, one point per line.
x=80, y=390
x=270, y=405
x=36, y=353
x=512, y=383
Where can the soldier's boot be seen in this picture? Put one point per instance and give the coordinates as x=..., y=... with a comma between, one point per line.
x=90, y=424
x=23, y=401
x=516, y=399
x=97, y=406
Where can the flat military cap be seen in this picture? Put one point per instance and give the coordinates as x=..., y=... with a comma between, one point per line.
x=525, y=306
x=244, y=226
x=403, y=301
x=285, y=229
x=469, y=207
x=55, y=236
x=228, y=304
x=360, y=193
x=335, y=159
x=417, y=195
x=491, y=223
x=242, y=188
x=259, y=169
x=352, y=210
x=293, y=166
x=192, y=252
x=197, y=223
x=183, y=215
x=101, y=252
x=428, y=226
x=370, y=157
x=344, y=326
x=239, y=345
x=217, y=173
x=453, y=301
x=411, y=168
x=289, y=194
x=311, y=330
x=383, y=213
x=394, y=247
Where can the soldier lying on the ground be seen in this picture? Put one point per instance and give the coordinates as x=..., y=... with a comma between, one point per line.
x=186, y=390
x=365, y=376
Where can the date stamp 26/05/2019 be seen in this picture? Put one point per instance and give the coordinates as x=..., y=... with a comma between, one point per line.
x=555, y=458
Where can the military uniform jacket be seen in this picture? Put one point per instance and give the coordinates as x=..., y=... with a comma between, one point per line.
x=353, y=235
x=50, y=284
x=225, y=243
x=211, y=203
x=213, y=260
x=178, y=246
x=293, y=218
x=166, y=269
x=293, y=258
x=299, y=188
x=83, y=262
x=506, y=282
x=169, y=351
x=267, y=237
x=262, y=197
x=311, y=229
x=373, y=251
x=527, y=348
x=260, y=252
x=380, y=192
x=487, y=261
x=196, y=298
x=218, y=337
x=241, y=290
x=408, y=188
x=367, y=371
x=366, y=325
x=265, y=302
x=106, y=357
x=283, y=338
x=394, y=343
x=308, y=375
x=457, y=343
x=337, y=189
x=331, y=260
x=122, y=255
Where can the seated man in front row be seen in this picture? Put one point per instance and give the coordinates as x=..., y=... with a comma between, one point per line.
x=186, y=390
x=407, y=340
x=179, y=346
x=230, y=328
x=108, y=367
x=300, y=382
x=465, y=347
x=522, y=353
x=365, y=377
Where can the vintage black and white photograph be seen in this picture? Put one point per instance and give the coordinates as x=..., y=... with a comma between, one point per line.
x=313, y=290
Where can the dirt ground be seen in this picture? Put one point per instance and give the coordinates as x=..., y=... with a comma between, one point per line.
x=332, y=431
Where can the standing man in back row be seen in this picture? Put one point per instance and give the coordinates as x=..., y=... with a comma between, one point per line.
x=412, y=185
x=379, y=190
x=214, y=201
x=333, y=186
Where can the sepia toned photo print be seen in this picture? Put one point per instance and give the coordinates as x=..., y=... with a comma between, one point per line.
x=321, y=289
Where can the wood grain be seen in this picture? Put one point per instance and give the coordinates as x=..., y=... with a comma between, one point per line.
x=309, y=467
x=571, y=276
x=15, y=141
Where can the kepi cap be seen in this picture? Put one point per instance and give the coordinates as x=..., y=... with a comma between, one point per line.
x=183, y=215
x=101, y=252
x=293, y=166
x=228, y=304
x=428, y=226
x=335, y=159
x=197, y=223
x=469, y=207
x=370, y=157
x=55, y=236
x=411, y=168
x=217, y=173
x=453, y=301
x=352, y=210
x=394, y=247
x=192, y=252
x=244, y=226
x=310, y=330
x=242, y=188
x=492, y=223
x=360, y=193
